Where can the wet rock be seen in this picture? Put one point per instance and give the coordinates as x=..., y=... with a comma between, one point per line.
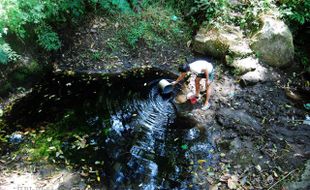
x=180, y=99
x=192, y=134
x=236, y=143
x=238, y=119
x=304, y=182
x=279, y=51
x=16, y=138
x=300, y=135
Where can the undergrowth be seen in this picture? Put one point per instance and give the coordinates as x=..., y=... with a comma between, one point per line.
x=153, y=27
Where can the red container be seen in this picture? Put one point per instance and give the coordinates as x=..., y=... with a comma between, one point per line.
x=193, y=99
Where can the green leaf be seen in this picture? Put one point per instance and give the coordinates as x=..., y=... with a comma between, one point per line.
x=184, y=147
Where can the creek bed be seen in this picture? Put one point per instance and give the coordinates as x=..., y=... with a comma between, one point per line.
x=119, y=132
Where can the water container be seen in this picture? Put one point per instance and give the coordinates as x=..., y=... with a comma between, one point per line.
x=165, y=86
x=192, y=98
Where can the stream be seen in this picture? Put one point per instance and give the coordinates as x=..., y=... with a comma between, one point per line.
x=130, y=136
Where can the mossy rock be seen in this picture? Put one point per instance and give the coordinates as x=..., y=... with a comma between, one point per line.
x=273, y=43
x=209, y=42
x=227, y=40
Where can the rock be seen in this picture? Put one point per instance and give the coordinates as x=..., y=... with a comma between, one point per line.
x=16, y=137
x=243, y=65
x=273, y=43
x=304, y=182
x=253, y=77
x=219, y=42
x=237, y=119
x=180, y=99
x=209, y=42
x=71, y=181
x=260, y=74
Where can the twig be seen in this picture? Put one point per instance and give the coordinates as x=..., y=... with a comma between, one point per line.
x=281, y=179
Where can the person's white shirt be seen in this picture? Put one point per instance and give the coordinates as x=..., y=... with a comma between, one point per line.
x=198, y=67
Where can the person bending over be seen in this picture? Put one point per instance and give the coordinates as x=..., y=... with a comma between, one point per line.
x=202, y=69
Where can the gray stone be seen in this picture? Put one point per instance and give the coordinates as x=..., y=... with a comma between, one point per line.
x=273, y=43
x=209, y=42
x=219, y=42
x=244, y=65
x=253, y=77
x=260, y=74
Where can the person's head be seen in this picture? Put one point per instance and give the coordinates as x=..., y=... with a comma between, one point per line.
x=184, y=68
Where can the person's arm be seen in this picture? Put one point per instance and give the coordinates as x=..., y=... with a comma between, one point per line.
x=207, y=77
x=181, y=77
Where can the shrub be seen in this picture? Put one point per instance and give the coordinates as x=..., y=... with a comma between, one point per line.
x=295, y=12
x=154, y=26
x=7, y=54
x=113, y=6
x=47, y=38
x=211, y=11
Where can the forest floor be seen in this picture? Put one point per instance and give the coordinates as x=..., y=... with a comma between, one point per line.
x=261, y=132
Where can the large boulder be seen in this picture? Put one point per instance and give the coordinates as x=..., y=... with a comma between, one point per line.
x=220, y=42
x=273, y=43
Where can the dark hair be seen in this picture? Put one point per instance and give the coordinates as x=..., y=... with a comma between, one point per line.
x=184, y=68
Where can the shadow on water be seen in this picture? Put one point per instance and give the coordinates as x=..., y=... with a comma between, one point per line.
x=129, y=134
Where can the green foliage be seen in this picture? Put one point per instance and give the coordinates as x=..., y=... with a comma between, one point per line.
x=296, y=11
x=47, y=38
x=45, y=147
x=154, y=26
x=250, y=11
x=212, y=10
x=21, y=17
x=49, y=143
x=96, y=55
x=113, y=6
x=302, y=57
x=3, y=57
x=7, y=54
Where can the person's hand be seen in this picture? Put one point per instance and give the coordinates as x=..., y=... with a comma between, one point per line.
x=174, y=83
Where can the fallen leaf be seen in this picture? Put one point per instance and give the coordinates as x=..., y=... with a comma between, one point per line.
x=225, y=177
x=201, y=161
x=258, y=168
x=232, y=184
x=214, y=187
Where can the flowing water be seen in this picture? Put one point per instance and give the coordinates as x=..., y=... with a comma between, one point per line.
x=133, y=137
